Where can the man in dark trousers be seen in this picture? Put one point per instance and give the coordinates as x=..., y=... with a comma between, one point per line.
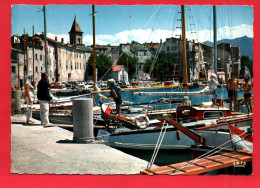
x=43, y=95
x=115, y=94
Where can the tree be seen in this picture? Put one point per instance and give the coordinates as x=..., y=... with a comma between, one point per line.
x=162, y=69
x=130, y=63
x=103, y=64
x=245, y=61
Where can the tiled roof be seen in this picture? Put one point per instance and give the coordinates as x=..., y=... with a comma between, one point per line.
x=75, y=26
x=116, y=68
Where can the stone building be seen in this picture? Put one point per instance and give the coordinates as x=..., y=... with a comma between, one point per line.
x=65, y=62
x=119, y=73
x=22, y=53
x=229, y=59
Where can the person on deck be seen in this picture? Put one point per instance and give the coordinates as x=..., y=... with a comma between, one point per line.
x=247, y=85
x=30, y=97
x=232, y=86
x=115, y=94
x=44, y=98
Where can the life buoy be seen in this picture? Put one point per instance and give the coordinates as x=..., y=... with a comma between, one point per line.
x=141, y=121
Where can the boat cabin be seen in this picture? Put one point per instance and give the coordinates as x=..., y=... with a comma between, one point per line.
x=195, y=113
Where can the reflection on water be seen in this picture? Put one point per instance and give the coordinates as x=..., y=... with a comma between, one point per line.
x=164, y=157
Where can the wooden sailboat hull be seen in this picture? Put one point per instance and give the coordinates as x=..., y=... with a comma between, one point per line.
x=147, y=139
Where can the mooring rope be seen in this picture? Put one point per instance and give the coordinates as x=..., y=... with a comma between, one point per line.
x=158, y=145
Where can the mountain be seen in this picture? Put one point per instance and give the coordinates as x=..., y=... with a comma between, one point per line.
x=245, y=43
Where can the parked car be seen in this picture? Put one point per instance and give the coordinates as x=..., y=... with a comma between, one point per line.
x=81, y=85
x=57, y=85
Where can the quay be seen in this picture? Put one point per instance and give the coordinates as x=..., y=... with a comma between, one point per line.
x=51, y=150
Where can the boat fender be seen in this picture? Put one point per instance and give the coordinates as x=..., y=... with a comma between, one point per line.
x=178, y=135
x=141, y=121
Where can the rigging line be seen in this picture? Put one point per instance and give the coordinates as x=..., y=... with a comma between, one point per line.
x=195, y=26
x=128, y=46
x=114, y=63
x=208, y=16
x=155, y=59
x=153, y=28
x=121, y=15
x=152, y=15
x=150, y=163
x=158, y=145
x=208, y=154
x=173, y=25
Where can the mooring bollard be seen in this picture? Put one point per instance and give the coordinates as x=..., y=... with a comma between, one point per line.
x=83, y=129
x=16, y=95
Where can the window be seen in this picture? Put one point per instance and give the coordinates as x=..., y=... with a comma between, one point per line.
x=13, y=69
x=36, y=56
x=213, y=114
x=41, y=57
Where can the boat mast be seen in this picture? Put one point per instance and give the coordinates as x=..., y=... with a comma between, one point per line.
x=215, y=48
x=94, y=50
x=215, y=40
x=185, y=79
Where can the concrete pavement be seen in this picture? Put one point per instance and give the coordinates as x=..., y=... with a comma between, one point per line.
x=50, y=150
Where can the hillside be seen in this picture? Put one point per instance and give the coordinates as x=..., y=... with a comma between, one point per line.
x=245, y=43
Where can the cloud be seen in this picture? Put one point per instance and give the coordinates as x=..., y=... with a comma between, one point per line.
x=148, y=35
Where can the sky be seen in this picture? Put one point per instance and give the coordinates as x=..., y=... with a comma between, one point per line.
x=117, y=24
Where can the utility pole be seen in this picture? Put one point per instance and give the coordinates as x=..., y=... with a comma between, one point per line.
x=33, y=56
x=45, y=40
x=24, y=58
x=18, y=66
x=94, y=50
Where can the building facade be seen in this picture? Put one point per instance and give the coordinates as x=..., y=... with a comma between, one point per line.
x=65, y=62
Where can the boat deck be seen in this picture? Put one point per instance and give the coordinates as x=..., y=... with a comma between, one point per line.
x=204, y=165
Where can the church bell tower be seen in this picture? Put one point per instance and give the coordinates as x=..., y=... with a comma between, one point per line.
x=75, y=33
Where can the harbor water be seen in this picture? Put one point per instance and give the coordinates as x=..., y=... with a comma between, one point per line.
x=167, y=157
x=154, y=101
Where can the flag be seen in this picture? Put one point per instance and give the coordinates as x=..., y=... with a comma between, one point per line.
x=106, y=110
x=240, y=139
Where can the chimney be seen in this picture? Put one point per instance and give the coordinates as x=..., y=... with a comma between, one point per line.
x=55, y=38
x=62, y=40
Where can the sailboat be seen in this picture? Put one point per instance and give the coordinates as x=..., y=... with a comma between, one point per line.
x=188, y=125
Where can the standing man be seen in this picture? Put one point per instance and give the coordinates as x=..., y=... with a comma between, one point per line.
x=115, y=94
x=232, y=86
x=30, y=97
x=44, y=98
x=247, y=85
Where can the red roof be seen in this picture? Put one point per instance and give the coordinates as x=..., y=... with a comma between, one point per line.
x=116, y=68
x=154, y=46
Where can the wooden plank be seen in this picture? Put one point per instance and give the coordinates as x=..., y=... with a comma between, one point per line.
x=201, y=166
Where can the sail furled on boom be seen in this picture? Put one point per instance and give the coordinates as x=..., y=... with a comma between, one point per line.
x=210, y=89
